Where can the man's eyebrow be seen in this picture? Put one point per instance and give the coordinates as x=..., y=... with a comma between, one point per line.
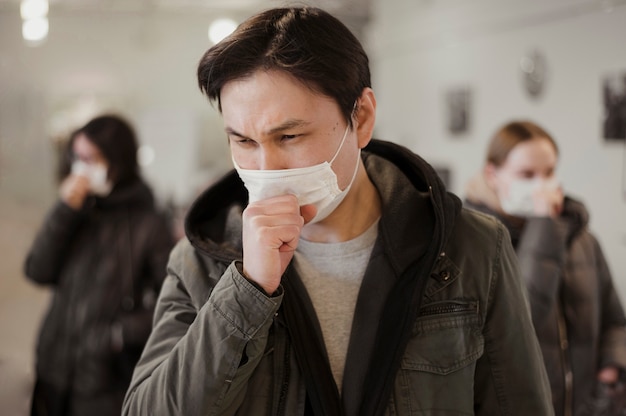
x=286, y=125
x=232, y=132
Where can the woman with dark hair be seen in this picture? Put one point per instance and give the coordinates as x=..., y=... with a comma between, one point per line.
x=575, y=309
x=103, y=249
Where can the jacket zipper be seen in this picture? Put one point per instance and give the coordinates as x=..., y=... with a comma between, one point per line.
x=284, y=386
x=449, y=307
x=568, y=377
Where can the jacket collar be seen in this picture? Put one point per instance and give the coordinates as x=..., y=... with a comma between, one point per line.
x=574, y=214
x=418, y=219
x=132, y=194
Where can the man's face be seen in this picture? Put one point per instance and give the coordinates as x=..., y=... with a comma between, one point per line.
x=275, y=122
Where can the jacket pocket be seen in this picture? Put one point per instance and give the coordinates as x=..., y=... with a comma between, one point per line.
x=437, y=370
x=446, y=337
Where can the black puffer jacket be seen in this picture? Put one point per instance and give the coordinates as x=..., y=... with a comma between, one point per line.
x=576, y=311
x=106, y=264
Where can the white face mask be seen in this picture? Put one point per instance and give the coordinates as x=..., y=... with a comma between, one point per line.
x=97, y=175
x=316, y=185
x=519, y=201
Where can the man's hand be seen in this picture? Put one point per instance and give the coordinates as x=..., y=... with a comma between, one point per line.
x=271, y=230
x=74, y=190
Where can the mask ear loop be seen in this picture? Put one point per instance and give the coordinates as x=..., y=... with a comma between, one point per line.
x=345, y=134
x=358, y=156
x=356, y=169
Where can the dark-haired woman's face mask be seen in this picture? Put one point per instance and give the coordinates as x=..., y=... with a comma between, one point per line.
x=97, y=174
x=90, y=163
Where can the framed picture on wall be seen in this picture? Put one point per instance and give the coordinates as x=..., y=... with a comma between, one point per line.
x=534, y=67
x=614, y=97
x=458, y=109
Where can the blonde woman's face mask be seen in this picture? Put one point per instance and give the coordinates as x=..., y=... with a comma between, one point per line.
x=528, y=173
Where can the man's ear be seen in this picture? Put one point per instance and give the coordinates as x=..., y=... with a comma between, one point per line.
x=365, y=117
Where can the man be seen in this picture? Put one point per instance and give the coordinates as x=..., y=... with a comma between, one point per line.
x=345, y=280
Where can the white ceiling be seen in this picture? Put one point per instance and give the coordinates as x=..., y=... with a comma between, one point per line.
x=354, y=13
x=354, y=7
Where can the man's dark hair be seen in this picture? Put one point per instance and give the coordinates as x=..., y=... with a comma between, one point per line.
x=307, y=43
x=117, y=141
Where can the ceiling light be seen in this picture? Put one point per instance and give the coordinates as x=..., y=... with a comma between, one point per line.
x=221, y=28
x=32, y=9
x=34, y=30
x=145, y=155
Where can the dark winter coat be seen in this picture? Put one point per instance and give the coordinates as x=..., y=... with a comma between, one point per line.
x=106, y=264
x=576, y=311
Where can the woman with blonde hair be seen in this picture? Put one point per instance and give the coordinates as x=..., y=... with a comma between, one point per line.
x=576, y=311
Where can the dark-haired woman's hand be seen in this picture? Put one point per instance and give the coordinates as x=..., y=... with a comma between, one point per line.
x=74, y=190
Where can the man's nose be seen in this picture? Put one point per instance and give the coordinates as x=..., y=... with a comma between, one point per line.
x=271, y=159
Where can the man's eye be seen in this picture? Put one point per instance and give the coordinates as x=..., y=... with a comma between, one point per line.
x=289, y=136
x=242, y=142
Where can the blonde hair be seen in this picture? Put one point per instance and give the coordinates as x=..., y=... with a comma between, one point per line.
x=512, y=134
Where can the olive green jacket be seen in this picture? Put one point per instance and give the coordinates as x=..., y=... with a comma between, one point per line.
x=441, y=325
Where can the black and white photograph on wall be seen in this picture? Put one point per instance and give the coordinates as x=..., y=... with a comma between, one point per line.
x=458, y=109
x=614, y=96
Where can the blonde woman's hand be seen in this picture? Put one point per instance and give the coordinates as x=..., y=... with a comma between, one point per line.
x=608, y=375
x=548, y=202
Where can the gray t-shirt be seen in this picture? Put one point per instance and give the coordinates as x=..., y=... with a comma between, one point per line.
x=332, y=274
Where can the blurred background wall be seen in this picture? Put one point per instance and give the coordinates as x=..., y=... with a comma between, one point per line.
x=494, y=55
x=447, y=74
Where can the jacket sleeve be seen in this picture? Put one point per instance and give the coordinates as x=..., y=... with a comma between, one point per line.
x=510, y=376
x=613, y=325
x=47, y=254
x=198, y=359
x=137, y=325
x=541, y=253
